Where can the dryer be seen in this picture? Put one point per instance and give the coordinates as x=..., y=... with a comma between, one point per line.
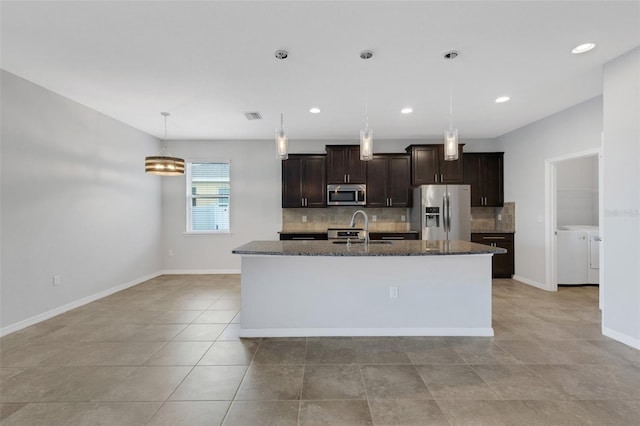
x=578, y=248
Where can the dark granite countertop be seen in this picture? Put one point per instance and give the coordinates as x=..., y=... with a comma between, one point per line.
x=374, y=248
x=297, y=231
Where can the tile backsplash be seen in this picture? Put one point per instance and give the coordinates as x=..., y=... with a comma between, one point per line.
x=483, y=219
x=318, y=220
x=494, y=219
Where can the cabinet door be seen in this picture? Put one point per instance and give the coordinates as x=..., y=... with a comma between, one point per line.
x=473, y=176
x=503, y=263
x=424, y=165
x=450, y=171
x=492, y=176
x=314, y=183
x=292, y=182
x=399, y=181
x=356, y=168
x=377, y=182
x=336, y=165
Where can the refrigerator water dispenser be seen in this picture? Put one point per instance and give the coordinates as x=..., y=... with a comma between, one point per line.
x=432, y=219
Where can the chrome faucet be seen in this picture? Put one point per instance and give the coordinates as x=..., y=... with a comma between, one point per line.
x=366, y=224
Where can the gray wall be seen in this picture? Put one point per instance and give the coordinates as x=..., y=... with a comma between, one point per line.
x=577, y=191
x=75, y=202
x=621, y=190
x=573, y=130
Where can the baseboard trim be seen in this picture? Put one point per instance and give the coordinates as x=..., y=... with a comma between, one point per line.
x=75, y=304
x=622, y=338
x=323, y=332
x=527, y=281
x=200, y=271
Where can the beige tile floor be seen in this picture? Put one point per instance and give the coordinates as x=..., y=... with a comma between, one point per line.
x=166, y=352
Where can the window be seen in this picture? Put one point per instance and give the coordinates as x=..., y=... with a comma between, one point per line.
x=208, y=194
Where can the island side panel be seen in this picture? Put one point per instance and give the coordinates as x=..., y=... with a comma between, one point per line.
x=350, y=296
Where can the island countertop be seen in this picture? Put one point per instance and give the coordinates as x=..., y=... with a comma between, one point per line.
x=374, y=248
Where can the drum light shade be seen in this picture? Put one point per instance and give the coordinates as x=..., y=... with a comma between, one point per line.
x=164, y=166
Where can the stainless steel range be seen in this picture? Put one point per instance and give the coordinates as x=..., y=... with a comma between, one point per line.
x=345, y=233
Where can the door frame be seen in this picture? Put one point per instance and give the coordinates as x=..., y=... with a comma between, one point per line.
x=551, y=213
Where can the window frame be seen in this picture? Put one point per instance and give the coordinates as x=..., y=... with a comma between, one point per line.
x=189, y=198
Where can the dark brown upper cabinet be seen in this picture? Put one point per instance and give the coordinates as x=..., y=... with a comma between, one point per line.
x=428, y=165
x=304, y=182
x=389, y=181
x=484, y=172
x=344, y=165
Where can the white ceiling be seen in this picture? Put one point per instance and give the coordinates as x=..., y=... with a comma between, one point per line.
x=208, y=62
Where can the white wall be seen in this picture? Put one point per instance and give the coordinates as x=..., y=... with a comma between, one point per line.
x=621, y=190
x=577, y=191
x=256, y=212
x=570, y=131
x=75, y=202
x=254, y=205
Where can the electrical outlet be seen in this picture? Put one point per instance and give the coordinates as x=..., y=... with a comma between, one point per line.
x=170, y=252
x=57, y=280
x=403, y=218
x=374, y=218
x=304, y=219
x=499, y=217
x=393, y=292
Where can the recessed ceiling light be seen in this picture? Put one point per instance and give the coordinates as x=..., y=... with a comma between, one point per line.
x=583, y=48
x=314, y=110
x=406, y=110
x=502, y=99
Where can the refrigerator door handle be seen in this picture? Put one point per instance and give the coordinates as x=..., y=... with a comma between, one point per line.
x=444, y=212
x=448, y=212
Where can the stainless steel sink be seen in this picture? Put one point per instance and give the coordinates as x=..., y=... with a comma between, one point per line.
x=361, y=242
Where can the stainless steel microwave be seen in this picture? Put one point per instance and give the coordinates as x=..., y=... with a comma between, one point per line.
x=346, y=195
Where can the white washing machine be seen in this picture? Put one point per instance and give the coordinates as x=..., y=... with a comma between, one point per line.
x=578, y=248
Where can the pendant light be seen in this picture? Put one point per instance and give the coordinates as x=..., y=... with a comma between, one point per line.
x=282, y=141
x=366, y=138
x=366, y=135
x=164, y=164
x=451, y=134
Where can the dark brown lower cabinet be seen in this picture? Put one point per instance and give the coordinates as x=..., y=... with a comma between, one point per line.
x=393, y=235
x=503, y=264
x=303, y=236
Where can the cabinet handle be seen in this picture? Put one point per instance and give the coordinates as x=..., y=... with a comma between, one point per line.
x=344, y=179
x=441, y=178
x=493, y=238
x=435, y=178
x=393, y=238
x=348, y=178
x=390, y=202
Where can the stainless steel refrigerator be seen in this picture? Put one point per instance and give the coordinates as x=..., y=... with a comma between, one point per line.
x=442, y=212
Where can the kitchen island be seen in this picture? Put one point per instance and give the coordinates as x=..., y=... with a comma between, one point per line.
x=331, y=288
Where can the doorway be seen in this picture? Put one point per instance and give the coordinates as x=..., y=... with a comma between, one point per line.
x=573, y=210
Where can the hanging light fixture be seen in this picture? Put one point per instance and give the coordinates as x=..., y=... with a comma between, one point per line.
x=164, y=164
x=366, y=135
x=366, y=138
x=451, y=134
x=282, y=141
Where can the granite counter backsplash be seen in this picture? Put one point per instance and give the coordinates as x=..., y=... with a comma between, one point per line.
x=494, y=219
